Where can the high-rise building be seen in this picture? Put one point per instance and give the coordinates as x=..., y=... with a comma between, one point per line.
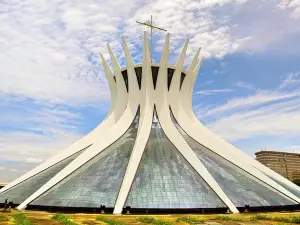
x=151, y=153
x=284, y=163
x=296, y=177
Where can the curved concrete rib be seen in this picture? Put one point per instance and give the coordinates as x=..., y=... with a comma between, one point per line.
x=173, y=134
x=144, y=129
x=186, y=101
x=175, y=82
x=186, y=118
x=87, y=140
x=122, y=95
x=112, y=86
x=107, y=138
x=124, y=107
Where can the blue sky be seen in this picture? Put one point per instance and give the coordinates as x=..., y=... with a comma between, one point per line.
x=53, y=89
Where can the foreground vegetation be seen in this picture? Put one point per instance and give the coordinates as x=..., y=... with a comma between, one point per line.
x=109, y=221
x=261, y=217
x=44, y=218
x=3, y=218
x=21, y=219
x=152, y=220
x=63, y=219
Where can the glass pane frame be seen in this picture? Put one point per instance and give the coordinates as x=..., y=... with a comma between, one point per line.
x=165, y=180
x=98, y=181
x=241, y=187
x=20, y=192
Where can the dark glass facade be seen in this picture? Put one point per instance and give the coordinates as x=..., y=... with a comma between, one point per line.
x=154, y=70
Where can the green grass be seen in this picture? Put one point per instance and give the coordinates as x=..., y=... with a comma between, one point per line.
x=151, y=220
x=109, y=221
x=287, y=219
x=229, y=218
x=63, y=219
x=21, y=219
x=189, y=219
x=145, y=219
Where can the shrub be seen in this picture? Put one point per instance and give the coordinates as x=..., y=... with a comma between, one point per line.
x=21, y=219
x=260, y=217
x=290, y=219
x=109, y=221
x=190, y=220
x=145, y=219
x=229, y=218
x=152, y=220
x=162, y=222
x=295, y=219
x=63, y=219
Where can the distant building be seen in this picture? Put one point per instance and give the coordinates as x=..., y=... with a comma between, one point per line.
x=296, y=175
x=284, y=163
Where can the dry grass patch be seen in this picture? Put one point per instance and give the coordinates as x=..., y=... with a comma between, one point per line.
x=45, y=218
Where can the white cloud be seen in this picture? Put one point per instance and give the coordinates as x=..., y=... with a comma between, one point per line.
x=291, y=79
x=240, y=84
x=266, y=113
x=11, y=172
x=26, y=146
x=293, y=5
x=33, y=160
x=22, y=151
x=270, y=121
x=49, y=55
x=212, y=92
x=56, y=44
x=254, y=20
x=193, y=19
x=31, y=133
x=241, y=103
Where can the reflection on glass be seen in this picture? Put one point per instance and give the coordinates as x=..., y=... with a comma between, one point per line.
x=240, y=187
x=293, y=191
x=165, y=179
x=23, y=190
x=98, y=181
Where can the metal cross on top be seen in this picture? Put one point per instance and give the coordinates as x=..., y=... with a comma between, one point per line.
x=153, y=29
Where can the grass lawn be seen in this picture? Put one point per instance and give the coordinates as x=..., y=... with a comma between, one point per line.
x=45, y=218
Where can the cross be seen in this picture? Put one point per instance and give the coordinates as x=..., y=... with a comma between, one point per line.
x=153, y=30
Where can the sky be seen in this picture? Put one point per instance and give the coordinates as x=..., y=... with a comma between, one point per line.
x=53, y=89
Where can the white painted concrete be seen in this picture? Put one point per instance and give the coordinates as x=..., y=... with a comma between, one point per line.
x=123, y=111
x=117, y=105
x=181, y=105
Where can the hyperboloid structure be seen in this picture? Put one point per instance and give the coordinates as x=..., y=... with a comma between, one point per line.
x=151, y=153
